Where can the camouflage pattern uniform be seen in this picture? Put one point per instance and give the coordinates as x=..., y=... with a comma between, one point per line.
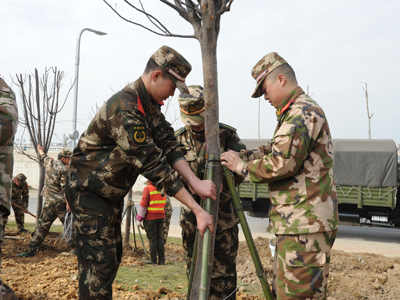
x=167, y=219
x=55, y=205
x=224, y=277
x=298, y=167
x=128, y=136
x=20, y=196
x=8, y=128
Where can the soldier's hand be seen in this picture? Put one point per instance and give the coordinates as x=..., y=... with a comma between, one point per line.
x=25, y=210
x=230, y=159
x=40, y=149
x=67, y=207
x=191, y=189
x=204, y=220
x=204, y=189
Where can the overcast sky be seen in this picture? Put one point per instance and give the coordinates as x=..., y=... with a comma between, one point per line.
x=333, y=46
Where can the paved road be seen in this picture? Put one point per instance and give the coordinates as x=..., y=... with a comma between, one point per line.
x=377, y=240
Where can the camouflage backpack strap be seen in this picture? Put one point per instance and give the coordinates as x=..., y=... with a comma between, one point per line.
x=230, y=128
x=180, y=131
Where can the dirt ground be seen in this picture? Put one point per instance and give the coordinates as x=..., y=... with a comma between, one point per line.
x=52, y=273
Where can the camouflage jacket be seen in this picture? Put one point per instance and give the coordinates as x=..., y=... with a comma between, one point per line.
x=55, y=171
x=298, y=167
x=20, y=194
x=128, y=136
x=8, y=127
x=196, y=158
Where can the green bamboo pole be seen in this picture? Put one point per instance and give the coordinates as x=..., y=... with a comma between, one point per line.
x=192, y=266
x=133, y=226
x=248, y=236
x=140, y=234
x=206, y=243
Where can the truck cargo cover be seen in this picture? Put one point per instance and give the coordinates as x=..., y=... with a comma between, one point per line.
x=370, y=163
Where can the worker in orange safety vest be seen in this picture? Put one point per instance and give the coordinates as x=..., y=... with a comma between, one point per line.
x=151, y=217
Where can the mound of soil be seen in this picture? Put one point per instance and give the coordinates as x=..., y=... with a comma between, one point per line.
x=52, y=273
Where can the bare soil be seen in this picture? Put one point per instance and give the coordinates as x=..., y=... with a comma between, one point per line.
x=52, y=273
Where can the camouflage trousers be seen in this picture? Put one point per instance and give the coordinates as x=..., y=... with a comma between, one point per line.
x=167, y=219
x=301, y=266
x=224, y=277
x=54, y=207
x=1, y=233
x=18, y=214
x=99, y=252
x=6, y=293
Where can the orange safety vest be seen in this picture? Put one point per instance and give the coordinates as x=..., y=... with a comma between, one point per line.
x=157, y=201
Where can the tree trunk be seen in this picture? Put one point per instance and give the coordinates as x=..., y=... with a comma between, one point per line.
x=208, y=43
x=128, y=219
x=40, y=188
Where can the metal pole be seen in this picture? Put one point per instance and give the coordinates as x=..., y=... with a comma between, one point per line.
x=75, y=134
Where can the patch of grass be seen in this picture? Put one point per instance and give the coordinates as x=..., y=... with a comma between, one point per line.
x=32, y=226
x=152, y=277
x=170, y=240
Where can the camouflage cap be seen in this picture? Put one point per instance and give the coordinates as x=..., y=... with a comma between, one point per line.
x=21, y=177
x=65, y=152
x=175, y=64
x=192, y=106
x=264, y=67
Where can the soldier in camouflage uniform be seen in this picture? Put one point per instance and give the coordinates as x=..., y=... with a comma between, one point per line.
x=167, y=219
x=20, y=196
x=298, y=167
x=192, y=137
x=128, y=136
x=55, y=205
x=8, y=128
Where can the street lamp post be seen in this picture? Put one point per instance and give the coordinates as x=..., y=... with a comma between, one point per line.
x=74, y=135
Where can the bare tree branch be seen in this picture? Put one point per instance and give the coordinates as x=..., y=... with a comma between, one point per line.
x=194, y=15
x=140, y=25
x=150, y=17
x=178, y=7
x=226, y=6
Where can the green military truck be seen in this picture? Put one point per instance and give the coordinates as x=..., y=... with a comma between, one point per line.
x=367, y=177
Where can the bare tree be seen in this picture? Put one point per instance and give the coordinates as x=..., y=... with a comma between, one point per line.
x=205, y=18
x=40, y=106
x=369, y=116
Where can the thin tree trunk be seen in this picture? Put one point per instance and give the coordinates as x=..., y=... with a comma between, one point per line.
x=209, y=57
x=40, y=197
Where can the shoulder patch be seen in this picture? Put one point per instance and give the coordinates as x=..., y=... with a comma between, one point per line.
x=180, y=131
x=230, y=128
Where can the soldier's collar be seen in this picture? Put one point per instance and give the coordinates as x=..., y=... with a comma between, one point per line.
x=289, y=100
x=198, y=136
x=149, y=105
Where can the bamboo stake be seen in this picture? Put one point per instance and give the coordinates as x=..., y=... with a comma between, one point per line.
x=140, y=234
x=206, y=244
x=248, y=236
